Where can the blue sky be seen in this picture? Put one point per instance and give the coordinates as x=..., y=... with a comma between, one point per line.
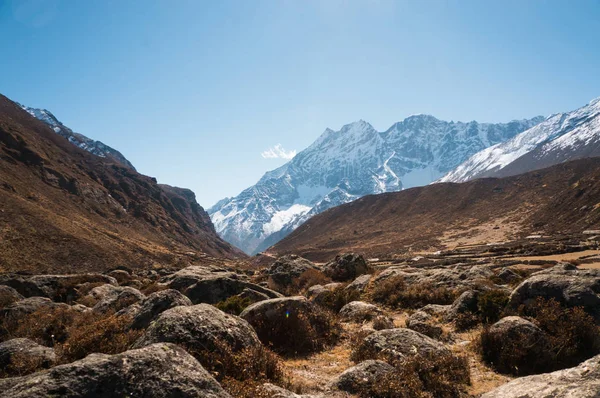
x=193, y=92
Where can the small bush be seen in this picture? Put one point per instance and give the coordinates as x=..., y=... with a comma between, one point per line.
x=307, y=279
x=491, y=304
x=233, y=305
x=152, y=287
x=396, y=293
x=300, y=332
x=337, y=298
x=45, y=326
x=422, y=376
x=22, y=364
x=466, y=321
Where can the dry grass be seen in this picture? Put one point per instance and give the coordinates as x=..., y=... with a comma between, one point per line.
x=307, y=279
x=233, y=305
x=338, y=297
x=396, y=293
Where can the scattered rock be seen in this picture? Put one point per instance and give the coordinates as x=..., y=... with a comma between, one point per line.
x=8, y=295
x=436, y=309
x=253, y=295
x=21, y=308
x=360, y=284
x=383, y=322
x=199, y=328
x=362, y=376
x=346, y=267
x=114, y=298
x=466, y=302
x=507, y=275
x=422, y=322
x=400, y=342
x=120, y=275
x=571, y=287
x=159, y=370
x=359, y=311
x=288, y=268
x=63, y=288
x=318, y=294
x=582, y=381
x=18, y=356
x=152, y=306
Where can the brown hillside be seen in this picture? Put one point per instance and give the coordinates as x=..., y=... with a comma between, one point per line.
x=63, y=209
x=562, y=198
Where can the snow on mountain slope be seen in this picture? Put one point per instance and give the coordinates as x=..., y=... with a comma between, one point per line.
x=95, y=147
x=561, y=137
x=341, y=166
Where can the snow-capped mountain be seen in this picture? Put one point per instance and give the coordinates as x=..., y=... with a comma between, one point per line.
x=95, y=147
x=341, y=166
x=559, y=138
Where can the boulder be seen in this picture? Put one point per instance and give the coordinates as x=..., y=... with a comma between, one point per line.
x=200, y=328
x=22, y=308
x=274, y=391
x=436, y=309
x=346, y=267
x=62, y=288
x=507, y=275
x=570, y=287
x=18, y=356
x=360, y=284
x=422, y=322
x=359, y=311
x=8, y=295
x=466, y=302
x=582, y=381
x=114, y=298
x=457, y=276
x=362, y=376
x=149, y=308
x=381, y=322
x=159, y=370
x=400, y=342
x=253, y=296
x=288, y=268
x=120, y=275
x=320, y=293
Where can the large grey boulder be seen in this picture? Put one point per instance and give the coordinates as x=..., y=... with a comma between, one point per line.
x=18, y=356
x=114, y=298
x=362, y=376
x=346, y=267
x=62, y=288
x=400, y=342
x=319, y=294
x=19, y=309
x=149, y=308
x=288, y=268
x=582, y=381
x=200, y=328
x=359, y=311
x=8, y=295
x=465, y=303
x=212, y=285
x=360, y=284
x=159, y=370
x=571, y=287
x=423, y=323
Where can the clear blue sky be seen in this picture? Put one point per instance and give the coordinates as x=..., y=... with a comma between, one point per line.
x=192, y=92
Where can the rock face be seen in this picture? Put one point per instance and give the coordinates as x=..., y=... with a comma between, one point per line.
x=152, y=306
x=570, y=287
x=400, y=342
x=287, y=268
x=362, y=376
x=346, y=267
x=359, y=311
x=341, y=166
x=199, y=328
x=16, y=353
x=160, y=370
x=210, y=285
x=582, y=381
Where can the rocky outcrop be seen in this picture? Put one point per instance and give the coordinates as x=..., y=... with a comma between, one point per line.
x=359, y=311
x=200, y=328
x=159, y=370
x=346, y=267
x=582, y=381
x=288, y=268
x=362, y=376
x=571, y=287
x=399, y=343
x=18, y=356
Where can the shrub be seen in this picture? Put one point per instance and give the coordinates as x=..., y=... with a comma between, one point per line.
x=152, y=287
x=466, y=321
x=301, y=332
x=21, y=364
x=491, y=304
x=233, y=305
x=396, y=293
x=307, y=279
x=425, y=375
x=338, y=297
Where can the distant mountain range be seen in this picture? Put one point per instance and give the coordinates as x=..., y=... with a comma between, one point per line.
x=95, y=147
x=341, y=166
x=559, y=138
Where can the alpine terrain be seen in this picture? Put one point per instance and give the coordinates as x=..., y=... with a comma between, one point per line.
x=341, y=166
x=561, y=137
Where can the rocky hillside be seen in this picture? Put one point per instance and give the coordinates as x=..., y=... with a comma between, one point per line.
x=561, y=137
x=63, y=208
x=80, y=140
x=341, y=166
x=560, y=198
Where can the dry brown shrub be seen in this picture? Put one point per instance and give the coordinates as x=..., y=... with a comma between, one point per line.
x=22, y=364
x=338, y=297
x=152, y=287
x=233, y=305
x=396, y=293
x=307, y=279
